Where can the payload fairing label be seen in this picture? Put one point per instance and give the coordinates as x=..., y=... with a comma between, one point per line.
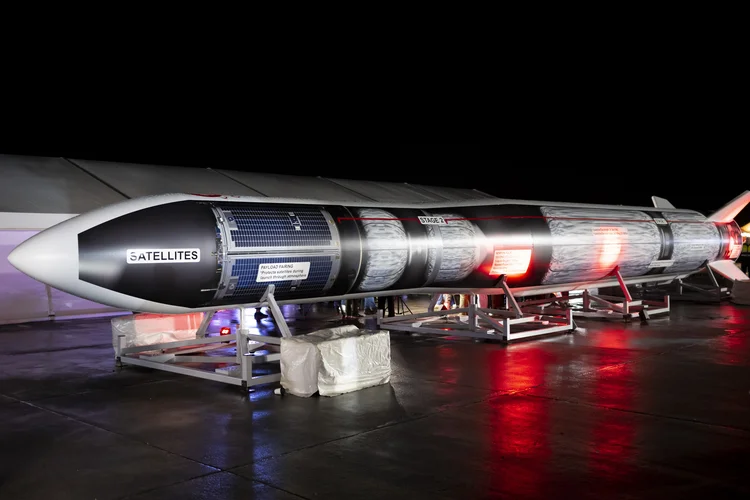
x=288, y=271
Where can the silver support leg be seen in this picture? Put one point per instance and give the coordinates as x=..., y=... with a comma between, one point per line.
x=713, y=277
x=207, y=317
x=50, y=307
x=119, y=344
x=623, y=286
x=276, y=311
x=246, y=362
x=511, y=298
x=242, y=338
x=473, y=313
x=433, y=301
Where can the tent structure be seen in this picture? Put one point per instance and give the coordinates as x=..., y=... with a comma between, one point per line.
x=39, y=192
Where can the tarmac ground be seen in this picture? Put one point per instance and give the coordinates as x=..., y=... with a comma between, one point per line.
x=614, y=410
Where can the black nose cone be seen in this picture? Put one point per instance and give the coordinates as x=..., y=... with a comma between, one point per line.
x=165, y=254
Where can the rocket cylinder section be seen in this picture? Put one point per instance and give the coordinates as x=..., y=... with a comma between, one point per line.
x=196, y=252
x=296, y=248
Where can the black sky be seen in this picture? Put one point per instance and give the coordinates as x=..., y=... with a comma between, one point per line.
x=600, y=122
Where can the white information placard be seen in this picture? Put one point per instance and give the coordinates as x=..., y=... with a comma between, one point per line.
x=286, y=271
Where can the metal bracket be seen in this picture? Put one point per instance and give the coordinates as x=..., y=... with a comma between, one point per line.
x=270, y=301
x=50, y=306
x=207, y=317
x=511, y=298
x=713, y=277
x=433, y=301
x=623, y=286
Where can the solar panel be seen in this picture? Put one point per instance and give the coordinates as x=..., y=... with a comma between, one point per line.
x=244, y=274
x=291, y=226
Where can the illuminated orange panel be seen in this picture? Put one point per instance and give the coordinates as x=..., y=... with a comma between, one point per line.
x=610, y=240
x=511, y=261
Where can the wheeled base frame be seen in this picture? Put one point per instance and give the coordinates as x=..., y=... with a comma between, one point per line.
x=237, y=369
x=531, y=319
x=552, y=313
x=713, y=291
x=620, y=307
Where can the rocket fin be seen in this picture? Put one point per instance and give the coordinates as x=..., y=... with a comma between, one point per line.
x=728, y=269
x=728, y=212
x=661, y=202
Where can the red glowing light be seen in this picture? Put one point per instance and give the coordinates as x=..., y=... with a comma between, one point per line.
x=733, y=242
x=511, y=261
x=225, y=330
x=610, y=240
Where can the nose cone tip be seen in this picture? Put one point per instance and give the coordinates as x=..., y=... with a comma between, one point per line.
x=22, y=258
x=15, y=258
x=42, y=257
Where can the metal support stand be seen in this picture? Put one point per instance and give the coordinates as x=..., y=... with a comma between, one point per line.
x=203, y=328
x=703, y=286
x=515, y=322
x=268, y=300
x=235, y=353
x=701, y=292
x=625, y=307
x=401, y=306
x=50, y=306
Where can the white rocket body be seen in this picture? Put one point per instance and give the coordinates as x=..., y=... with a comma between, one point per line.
x=179, y=253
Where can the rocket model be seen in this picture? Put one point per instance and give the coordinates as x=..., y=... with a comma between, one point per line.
x=179, y=253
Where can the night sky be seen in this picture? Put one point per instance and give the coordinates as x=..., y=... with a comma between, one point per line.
x=691, y=172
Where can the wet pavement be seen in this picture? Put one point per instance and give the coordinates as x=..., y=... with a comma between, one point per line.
x=614, y=410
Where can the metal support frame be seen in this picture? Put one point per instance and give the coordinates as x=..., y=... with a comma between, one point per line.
x=50, y=306
x=530, y=317
x=400, y=306
x=518, y=321
x=625, y=307
x=511, y=298
x=712, y=292
x=235, y=369
x=693, y=287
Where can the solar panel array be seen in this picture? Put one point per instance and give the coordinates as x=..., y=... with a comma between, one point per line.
x=291, y=226
x=246, y=270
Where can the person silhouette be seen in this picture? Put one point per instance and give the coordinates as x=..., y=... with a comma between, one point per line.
x=382, y=305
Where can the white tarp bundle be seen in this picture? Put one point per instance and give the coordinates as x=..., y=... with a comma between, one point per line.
x=148, y=329
x=335, y=361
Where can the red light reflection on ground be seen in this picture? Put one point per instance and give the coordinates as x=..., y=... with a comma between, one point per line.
x=613, y=432
x=733, y=347
x=613, y=340
x=519, y=425
x=518, y=367
x=447, y=366
x=735, y=316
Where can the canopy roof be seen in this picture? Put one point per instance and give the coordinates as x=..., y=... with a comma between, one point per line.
x=37, y=192
x=63, y=187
